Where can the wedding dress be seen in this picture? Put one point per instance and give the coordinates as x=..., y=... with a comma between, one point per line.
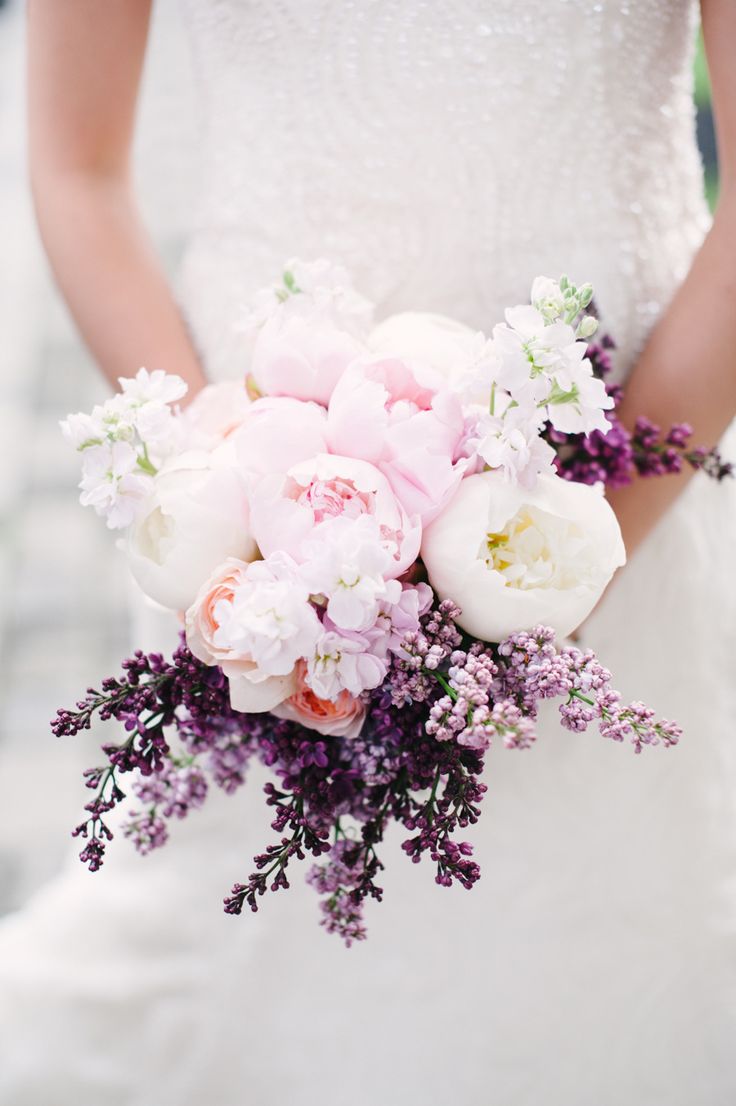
x=446, y=154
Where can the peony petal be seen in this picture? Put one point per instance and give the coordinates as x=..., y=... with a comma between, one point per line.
x=258, y=697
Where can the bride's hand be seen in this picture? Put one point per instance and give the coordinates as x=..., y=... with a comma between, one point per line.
x=84, y=64
x=687, y=372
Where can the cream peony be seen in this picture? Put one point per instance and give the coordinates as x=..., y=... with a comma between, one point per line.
x=197, y=518
x=513, y=557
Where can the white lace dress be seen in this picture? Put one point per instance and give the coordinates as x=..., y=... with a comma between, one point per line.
x=446, y=153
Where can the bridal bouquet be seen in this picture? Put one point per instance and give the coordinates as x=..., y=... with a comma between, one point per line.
x=374, y=540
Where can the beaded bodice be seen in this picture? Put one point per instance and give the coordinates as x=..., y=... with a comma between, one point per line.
x=445, y=152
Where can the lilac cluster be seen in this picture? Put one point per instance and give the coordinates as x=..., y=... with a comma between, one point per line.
x=152, y=698
x=413, y=678
x=470, y=712
x=173, y=792
x=654, y=455
x=299, y=836
x=340, y=880
x=533, y=670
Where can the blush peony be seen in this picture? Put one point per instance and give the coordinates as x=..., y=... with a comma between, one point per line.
x=340, y=717
x=255, y=621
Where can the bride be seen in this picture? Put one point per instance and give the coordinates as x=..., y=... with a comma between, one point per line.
x=445, y=153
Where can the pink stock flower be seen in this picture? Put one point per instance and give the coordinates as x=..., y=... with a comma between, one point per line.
x=289, y=511
x=344, y=660
x=398, y=415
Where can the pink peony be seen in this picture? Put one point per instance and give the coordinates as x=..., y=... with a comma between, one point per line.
x=289, y=511
x=302, y=356
x=398, y=415
x=277, y=433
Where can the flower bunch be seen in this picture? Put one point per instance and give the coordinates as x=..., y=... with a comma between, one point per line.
x=372, y=552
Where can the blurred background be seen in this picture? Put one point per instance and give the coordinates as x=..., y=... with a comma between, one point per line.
x=63, y=617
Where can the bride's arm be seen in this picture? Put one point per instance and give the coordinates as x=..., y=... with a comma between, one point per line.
x=687, y=372
x=84, y=65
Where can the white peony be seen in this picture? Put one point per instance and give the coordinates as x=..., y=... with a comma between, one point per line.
x=197, y=518
x=513, y=558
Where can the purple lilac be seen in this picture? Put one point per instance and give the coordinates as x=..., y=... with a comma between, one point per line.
x=418, y=760
x=535, y=670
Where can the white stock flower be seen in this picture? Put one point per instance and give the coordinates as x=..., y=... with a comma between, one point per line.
x=347, y=565
x=82, y=431
x=545, y=365
x=318, y=290
x=514, y=558
x=331, y=288
x=113, y=483
x=155, y=387
x=112, y=421
x=512, y=442
x=148, y=398
x=197, y=518
x=548, y=298
x=578, y=400
x=530, y=352
x=123, y=442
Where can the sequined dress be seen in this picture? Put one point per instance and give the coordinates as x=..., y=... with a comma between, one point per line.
x=446, y=153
